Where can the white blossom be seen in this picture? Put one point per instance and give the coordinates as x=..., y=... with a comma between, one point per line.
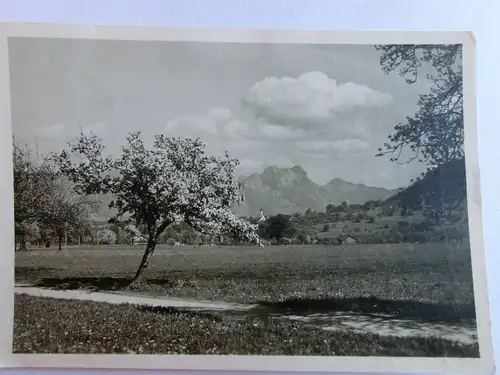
x=169, y=183
x=106, y=236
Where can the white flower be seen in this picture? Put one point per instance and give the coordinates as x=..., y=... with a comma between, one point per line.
x=171, y=182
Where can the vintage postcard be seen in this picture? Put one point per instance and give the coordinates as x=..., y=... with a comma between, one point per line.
x=268, y=200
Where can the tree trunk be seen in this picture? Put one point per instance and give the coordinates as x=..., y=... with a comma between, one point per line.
x=59, y=238
x=22, y=243
x=146, y=258
x=153, y=235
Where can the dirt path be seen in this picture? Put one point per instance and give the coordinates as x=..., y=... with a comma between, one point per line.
x=122, y=297
x=380, y=324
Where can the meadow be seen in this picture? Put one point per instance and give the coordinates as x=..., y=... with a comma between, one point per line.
x=428, y=282
x=436, y=273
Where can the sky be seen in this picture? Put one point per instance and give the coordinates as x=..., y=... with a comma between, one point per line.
x=326, y=108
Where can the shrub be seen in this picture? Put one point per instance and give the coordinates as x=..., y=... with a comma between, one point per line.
x=170, y=241
x=107, y=237
x=124, y=237
x=358, y=218
x=303, y=238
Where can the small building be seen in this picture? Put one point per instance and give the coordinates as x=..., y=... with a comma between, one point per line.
x=262, y=218
x=346, y=239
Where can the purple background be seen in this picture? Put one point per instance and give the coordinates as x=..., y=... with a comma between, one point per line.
x=480, y=17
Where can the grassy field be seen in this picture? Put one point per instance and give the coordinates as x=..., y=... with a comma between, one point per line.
x=427, y=282
x=434, y=273
x=44, y=325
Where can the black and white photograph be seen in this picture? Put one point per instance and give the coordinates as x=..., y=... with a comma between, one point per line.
x=194, y=196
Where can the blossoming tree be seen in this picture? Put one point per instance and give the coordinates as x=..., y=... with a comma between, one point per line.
x=171, y=182
x=66, y=210
x=107, y=237
x=33, y=186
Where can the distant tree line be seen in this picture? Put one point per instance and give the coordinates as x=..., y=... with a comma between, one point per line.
x=365, y=223
x=49, y=212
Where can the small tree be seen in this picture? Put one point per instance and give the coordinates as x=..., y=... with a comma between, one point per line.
x=303, y=238
x=124, y=237
x=33, y=188
x=171, y=182
x=279, y=226
x=32, y=233
x=66, y=210
x=358, y=218
x=107, y=237
x=80, y=231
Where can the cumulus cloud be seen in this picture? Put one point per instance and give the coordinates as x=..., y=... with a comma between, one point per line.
x=280, y=132
x=221, y=122
x=199, y=126
x=350, y=145
x=344, y=145
x=318, y=146
x=236, y=128
x=220, y=114
x=313, y=96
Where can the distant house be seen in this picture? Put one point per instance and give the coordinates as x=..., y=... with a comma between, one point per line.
x=346, y=239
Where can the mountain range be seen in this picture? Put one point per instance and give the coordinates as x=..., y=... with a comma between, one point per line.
x=289, y=190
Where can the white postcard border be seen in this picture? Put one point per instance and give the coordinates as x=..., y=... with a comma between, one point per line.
x=483, y=365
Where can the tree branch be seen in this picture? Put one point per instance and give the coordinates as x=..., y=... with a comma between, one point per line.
x=163, y=225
